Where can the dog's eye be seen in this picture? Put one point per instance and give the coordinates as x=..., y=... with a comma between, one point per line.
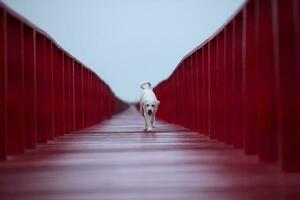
x=147, y=105
x=152, y=105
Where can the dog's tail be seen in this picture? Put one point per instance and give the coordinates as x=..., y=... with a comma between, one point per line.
x=145, y=85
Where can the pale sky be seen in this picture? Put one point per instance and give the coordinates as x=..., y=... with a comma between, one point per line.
x=128, y=41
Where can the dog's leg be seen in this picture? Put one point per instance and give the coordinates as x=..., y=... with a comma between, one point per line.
x=152, y=121
x=148, y=122
x=141, y=109
x=146, y=117
x=146, y=127
x=154, y=114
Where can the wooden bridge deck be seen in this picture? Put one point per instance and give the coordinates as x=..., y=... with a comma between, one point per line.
x=116, y=160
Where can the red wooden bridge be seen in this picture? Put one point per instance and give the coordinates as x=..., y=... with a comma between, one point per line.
x=229, y=120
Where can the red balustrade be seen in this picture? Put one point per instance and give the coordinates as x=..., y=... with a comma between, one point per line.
x=44, y=91
x=242, y=85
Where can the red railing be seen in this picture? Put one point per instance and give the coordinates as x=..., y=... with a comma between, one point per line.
x=45, y=92
x=242, y=85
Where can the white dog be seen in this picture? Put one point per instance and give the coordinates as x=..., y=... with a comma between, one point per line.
x=148, y=105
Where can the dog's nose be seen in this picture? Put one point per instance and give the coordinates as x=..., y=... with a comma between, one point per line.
x=149, y=112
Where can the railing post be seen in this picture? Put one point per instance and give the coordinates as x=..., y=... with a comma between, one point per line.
x=67, y=92
x=175, y=92
x=63, y=92
x=265, y=92
x=179, y=89
x=42, y=100
x=78, y=96
x=99, y=101
x=90, y=97
x=84, y=94
x=237, y=81
x=3, y=54
x=213, y=88
x=183, y=92
x=228, y=84
x=200, y=88
x=49, y=91
x=94, y=98
x=251, y=137
x=30, y=87
x=58, y=83
x=72, y=80
x=197, y=89
x=220, y=87
x=188, y=92
x=15, y=118
x=205, y=68
x=208, y=99
x=286, y=35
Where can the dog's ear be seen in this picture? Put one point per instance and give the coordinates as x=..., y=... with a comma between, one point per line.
x=157, y=102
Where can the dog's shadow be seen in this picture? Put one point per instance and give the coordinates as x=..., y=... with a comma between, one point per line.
x=149, y=135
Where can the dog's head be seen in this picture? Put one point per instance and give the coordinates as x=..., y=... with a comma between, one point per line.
x=151, y=106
